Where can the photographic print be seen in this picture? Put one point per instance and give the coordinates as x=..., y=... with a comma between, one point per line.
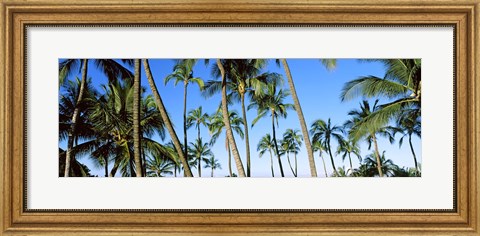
x=239, y=118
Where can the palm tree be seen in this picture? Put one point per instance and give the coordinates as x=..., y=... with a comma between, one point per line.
x=213, y=164
x=387, y=165
x=226, y=120
x=183, y=72
x=294, y=139
x=324, y=132
x=85, y=130
x=216, y=127
x=287, y=148
x=266, y=144
x=197, y=117
x=159, y=167
x=166, y=119
x=348, y=147
x=136, y=119
x=329, y=64
x=340, y=172
x=112, y=69
x=244, y=78
x=319, y=147
x=409, y=124
x=271, y=102
x=359, y=127
x=200, y=150
x=402, y=82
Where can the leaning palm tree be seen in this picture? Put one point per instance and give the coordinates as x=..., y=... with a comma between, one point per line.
x=324, y=132
x=197, y=118
x=199, y=151
x=226, y=120
x=213, y=164
x=402, y=83
x=266, y=144
x=329, y=64
x=348, y=147
x=359, y=127
x=409, y=124
x=294, y=139
x=85, y=130
x=320, y=148
x=166, y=119
x=183, y=72
x=111, y=68
x=244, y=79
x=216, y=127
x=272, y=102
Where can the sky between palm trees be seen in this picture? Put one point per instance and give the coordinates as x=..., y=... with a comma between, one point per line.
x=319, y=93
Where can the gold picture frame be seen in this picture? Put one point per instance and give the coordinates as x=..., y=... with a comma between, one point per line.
x=464, y=15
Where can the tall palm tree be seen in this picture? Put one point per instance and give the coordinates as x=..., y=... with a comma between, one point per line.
x=136, y=119
x=197, y=117
x=226, y=120
x=348, y=147
x=213, y=164
x=166, y=119
x=402, y=83
x=295, y=142
x=111, y=68
x=324, y=132
x=409, y=124
x=359, y=127
x=329, y=64
x=244, y=79
x=272, y=102
x=266, y=144
x=318, y=147
x=200, y=150
x=183, y=72
x=216, y=127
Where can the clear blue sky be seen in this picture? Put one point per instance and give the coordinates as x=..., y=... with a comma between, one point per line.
x=318, y=91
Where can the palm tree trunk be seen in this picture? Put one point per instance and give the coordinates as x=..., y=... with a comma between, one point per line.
x=106, y=166
x=226, y=120
x=114, y=168
x=417, y=172
x=301, y=119
x=175, y=171
x=296, y=164
x=229, y=158
x=276, y=145
x=136, y=120
x=351, y=166
x=271, y=162
x=200, y=166
x=185, y=141
x=247, y=142
x=212, y=172
x=76, y=112
x=377, y=156
x=331, y=159
x=144, y=164
x=324, y=166
x=166, y=120
x=291, y=168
